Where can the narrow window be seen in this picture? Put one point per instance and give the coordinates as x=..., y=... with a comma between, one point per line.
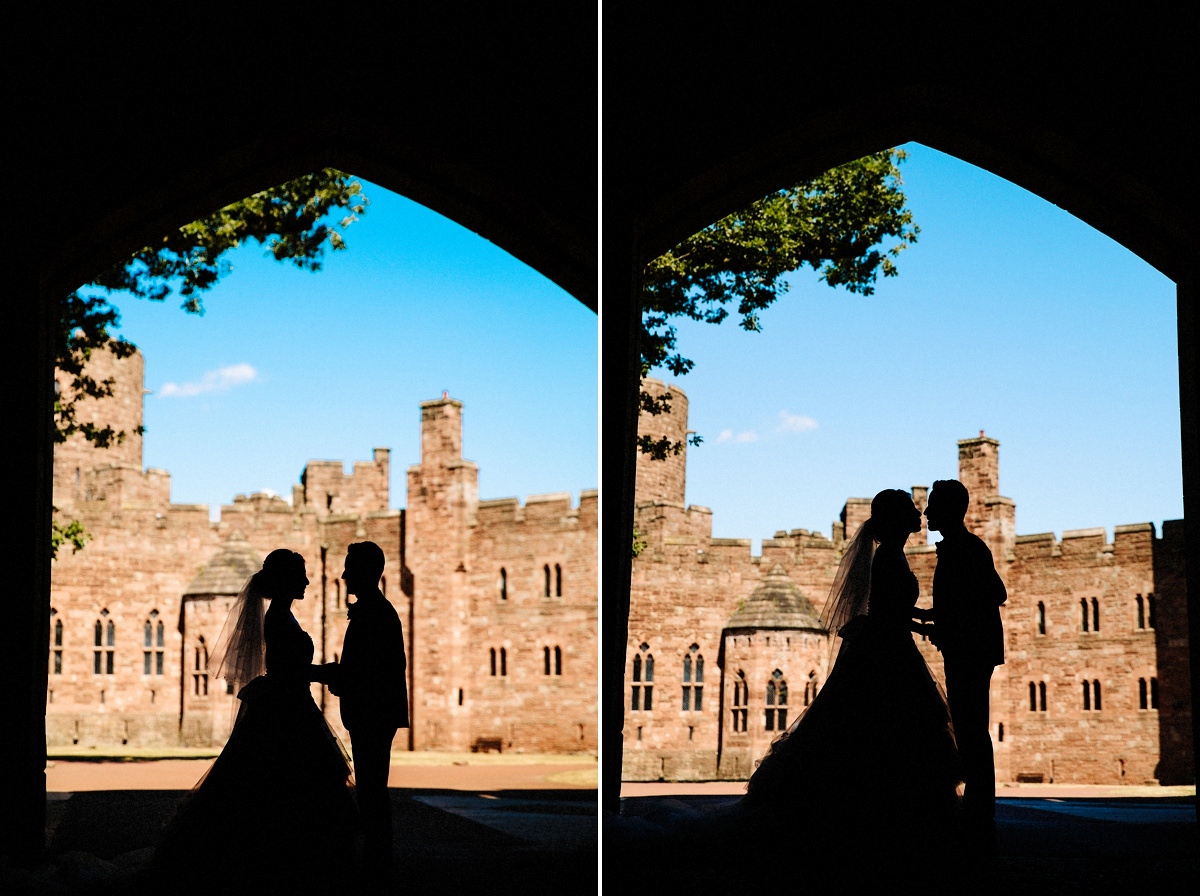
x=152, y=642
x=1033, y=696
x=635, y=693
x=741, y=699
x=1095, y=615
x=1000, y=732
x=1154, y=692
x=1087, y=696
x=1096, y=695
x=648, y=683
x=200, y=668
x=546, y=660
x=546, y=583
x=492, y=657
x=1141, y=614
x=1042, y=696
x=1143, y=694
x=558, y=661
x=1150, y=611
x=776, y=711
x=56, y=653
x=503, y=583
x=1084, y=609
x=460, y=696
x=693, y=680
x=1041, y=618
x=810, y=688
x=557, y=580
x=98, y=667
x=503, y=661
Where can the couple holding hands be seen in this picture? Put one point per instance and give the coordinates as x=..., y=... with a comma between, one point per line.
x=280, y=805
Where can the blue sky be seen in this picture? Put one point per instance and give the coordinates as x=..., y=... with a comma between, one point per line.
x=286, y=366
x=1062, y=347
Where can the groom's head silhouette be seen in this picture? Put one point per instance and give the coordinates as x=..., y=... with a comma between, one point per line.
x=947, y=505
x=364, y=567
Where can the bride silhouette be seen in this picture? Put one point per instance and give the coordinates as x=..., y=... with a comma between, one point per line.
x=276, y=809
x=872, y=759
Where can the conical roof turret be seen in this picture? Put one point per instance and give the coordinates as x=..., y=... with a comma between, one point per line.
x=227, y=571
x=777, y=603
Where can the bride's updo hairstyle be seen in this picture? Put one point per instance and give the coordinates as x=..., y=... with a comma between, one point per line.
x=888, y=511
x=280, y=566
x=891, y=512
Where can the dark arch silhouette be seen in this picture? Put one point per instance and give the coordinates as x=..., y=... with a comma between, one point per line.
x=1029, y=103
x=491, y=123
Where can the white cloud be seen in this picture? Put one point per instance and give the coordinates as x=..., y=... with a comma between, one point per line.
x=795, y=423
x=728, y=435
x=221, y=380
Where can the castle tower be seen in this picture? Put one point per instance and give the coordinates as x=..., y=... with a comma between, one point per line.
x=123, y=411
x=989, y=515
x=663, y=480
x=443, y=498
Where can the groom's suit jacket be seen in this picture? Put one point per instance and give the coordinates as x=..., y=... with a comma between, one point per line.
x=967, y=594
x=371, y=677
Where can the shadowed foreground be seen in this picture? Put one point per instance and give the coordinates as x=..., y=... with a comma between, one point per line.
x=1042, y=846
x=446, y=841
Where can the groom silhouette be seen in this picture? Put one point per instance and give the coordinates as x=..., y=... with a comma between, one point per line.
x=967, y=594
x=370, y=680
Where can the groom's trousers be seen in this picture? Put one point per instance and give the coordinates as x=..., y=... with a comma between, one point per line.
x=372, y=749
x=968, y=691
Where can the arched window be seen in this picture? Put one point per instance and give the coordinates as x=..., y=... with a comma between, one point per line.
x=546, y=660
x=693, y=680
x=1141, y=611
x=1145, y=611
x=641, y=697
x=1041, y=618
x=492, y=660
x=546, y=577
x=152, y=645
x=503, y=583
x=1091, y=695
x=741, y=700
x=106, y=638
x=558, y=661
x=777, y=696
x=1084, y=619
x=556, y=667
x=1095, y=615
x=57, y=652
x=557, y=580
x=810, y=688
x=200, y=668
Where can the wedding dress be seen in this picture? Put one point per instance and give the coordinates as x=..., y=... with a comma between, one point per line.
x=873, y=756
x=278, y=803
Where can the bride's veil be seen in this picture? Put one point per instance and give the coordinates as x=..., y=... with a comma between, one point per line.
x=239, y=656
x=852, y=582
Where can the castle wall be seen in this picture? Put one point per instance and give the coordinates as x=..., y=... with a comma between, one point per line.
x=686, y=585
x=145, y=552
x=500, y=590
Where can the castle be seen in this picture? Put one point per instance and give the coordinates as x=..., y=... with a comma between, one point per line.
x=498, y=599
x=726, y=647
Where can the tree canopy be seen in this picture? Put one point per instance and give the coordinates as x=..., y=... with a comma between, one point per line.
x=849, y=224
x=297, y=222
